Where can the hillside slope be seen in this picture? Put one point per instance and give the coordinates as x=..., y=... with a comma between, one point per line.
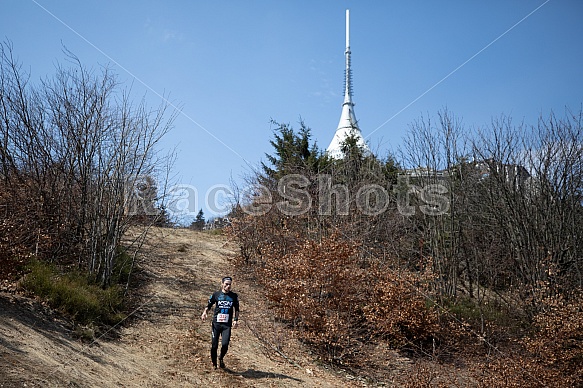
x=164, y=342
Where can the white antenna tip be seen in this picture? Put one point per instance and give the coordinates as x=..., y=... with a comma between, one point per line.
x=347, y=28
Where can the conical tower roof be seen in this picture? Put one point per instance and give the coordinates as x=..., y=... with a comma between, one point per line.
x=348, y=125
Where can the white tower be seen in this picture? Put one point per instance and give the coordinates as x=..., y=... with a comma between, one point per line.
x=348, y=124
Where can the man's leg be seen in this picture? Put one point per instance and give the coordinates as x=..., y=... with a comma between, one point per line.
x=214, y=344
x=225, y=338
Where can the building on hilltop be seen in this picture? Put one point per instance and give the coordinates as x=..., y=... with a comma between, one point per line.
x=514, y=174
x=348, y=125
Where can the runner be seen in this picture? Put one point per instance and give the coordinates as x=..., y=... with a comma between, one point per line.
x=226, y=315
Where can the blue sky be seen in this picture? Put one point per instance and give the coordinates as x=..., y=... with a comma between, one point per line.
x=234, y=65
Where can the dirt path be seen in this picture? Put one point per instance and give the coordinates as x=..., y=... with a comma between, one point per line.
x=165, y=344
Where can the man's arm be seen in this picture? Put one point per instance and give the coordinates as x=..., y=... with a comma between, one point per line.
x=203, y=316
x=236, y=309
x=208, y=306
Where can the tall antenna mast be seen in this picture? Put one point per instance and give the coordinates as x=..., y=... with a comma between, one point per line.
x=348, y=125
x=347, y=30
x=348, y=72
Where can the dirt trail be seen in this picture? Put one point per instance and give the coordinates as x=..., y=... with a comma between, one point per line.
x=166, y=344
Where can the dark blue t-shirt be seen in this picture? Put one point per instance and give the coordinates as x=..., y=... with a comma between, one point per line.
x=226, y=305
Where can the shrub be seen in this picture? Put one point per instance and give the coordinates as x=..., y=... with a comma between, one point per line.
x=337, y=301
x=73, y=294
x=558, y=341
x=552, y=356
x=396, y=305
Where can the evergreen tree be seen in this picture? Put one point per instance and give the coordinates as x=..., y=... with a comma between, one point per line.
x=293, y=152
x=199, y=221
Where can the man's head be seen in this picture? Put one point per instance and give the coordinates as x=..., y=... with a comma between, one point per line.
x=226, y=283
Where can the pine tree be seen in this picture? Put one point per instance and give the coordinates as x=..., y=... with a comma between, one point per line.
x=293, y=152
x=199, y=221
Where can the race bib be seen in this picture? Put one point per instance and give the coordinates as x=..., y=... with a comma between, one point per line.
x=222, y=318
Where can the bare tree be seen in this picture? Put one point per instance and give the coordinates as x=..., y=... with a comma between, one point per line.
x=435, y=155
x=72, y=149
x=535, y=189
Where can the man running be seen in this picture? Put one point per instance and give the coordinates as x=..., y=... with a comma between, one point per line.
x=226, y=315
